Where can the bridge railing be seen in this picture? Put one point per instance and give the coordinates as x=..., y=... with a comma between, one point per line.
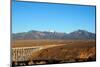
x=22, y=54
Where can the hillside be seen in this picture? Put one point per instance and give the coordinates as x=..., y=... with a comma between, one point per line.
x=31, y=35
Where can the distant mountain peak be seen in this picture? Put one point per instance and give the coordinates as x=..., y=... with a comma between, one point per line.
x=33, y=34
x=79, y=32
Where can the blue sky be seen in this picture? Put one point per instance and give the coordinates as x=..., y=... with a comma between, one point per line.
x=28, y=16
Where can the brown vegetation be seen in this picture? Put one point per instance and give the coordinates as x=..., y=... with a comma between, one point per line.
x=71, y=51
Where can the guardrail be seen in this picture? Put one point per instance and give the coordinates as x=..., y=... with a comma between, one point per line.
x=23, y=53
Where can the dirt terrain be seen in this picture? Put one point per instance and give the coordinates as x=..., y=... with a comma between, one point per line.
x=58, y=51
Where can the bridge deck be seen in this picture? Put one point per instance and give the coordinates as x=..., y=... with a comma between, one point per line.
x=25, y=53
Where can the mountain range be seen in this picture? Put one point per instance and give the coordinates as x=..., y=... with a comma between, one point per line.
x=33, y=34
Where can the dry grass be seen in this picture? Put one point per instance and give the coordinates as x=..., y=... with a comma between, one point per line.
x=69, y=51
x=30, y=43
x=72, y=51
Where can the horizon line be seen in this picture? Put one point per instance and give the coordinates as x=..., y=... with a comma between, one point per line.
x=51, y=31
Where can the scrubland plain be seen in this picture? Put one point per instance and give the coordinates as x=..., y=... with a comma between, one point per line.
x=55, y=51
